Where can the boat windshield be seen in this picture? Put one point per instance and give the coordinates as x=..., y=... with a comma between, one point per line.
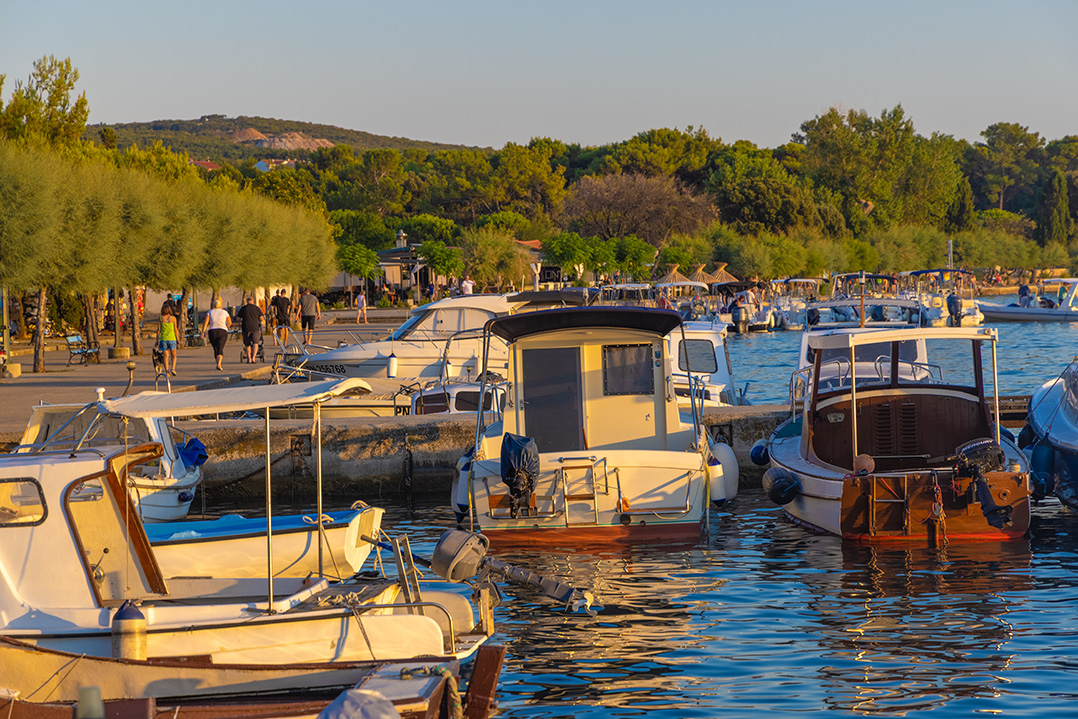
x=439, y=324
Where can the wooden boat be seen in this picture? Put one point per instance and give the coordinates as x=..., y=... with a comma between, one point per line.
x=44, y=684
x=614, y=457
x=1063, y=309
x=893, y=455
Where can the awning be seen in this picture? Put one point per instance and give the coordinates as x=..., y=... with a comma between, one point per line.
x=846, y=340
x=231, y=399
x=513, y=327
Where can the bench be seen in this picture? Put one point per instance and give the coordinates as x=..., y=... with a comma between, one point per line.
x=79, y=349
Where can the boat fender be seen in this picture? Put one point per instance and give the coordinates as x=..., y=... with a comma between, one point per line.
x=1041, y=463
x=759, y=454
x=458, y=554
x=1026, y=437
x=129, y=632
x=724, y=473
x=391, y=366
x=781, y=485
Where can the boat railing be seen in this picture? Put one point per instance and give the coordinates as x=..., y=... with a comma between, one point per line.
x=920, y=372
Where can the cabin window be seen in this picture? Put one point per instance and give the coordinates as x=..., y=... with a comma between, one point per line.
x=469, y=401
x=21, y=503
x=627, y=369
x=697, y=356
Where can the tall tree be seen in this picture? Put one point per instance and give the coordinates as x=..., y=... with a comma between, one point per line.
x=1053, y=211
x=960, y=215
x=1004, y=168
x=43, y=109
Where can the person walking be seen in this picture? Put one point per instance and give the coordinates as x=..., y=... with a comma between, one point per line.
x=309, y=311
x=282, y=313
x=250, y=317
x=168, y=334
x=361, y=307
x=216, y=328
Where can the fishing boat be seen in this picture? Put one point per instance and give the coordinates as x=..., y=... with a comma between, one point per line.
x=1050, y=437
x=440, y=339
x=1039, y=309
x=163, y=491
x=910, y=455
x=592, y=444
x=942, y=294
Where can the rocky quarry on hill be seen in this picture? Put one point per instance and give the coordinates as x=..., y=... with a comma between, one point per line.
x=284, y=141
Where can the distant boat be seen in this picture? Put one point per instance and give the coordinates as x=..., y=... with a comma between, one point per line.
x=1043, y=309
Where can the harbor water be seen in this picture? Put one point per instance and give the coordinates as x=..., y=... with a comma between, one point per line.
x=762, y=617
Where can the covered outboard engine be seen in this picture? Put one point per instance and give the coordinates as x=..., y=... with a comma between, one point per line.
x=812, y=316
x=973, y=460
x=876, y=314
x=520, y=467
x=954, y=307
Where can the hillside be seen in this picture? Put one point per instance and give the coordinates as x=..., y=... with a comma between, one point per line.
x=216, y=137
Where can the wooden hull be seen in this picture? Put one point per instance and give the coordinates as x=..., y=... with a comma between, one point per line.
x=903, y=508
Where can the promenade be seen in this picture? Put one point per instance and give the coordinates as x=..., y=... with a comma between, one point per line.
x=196, y=369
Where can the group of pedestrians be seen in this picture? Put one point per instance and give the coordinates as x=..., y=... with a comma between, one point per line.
x=251, y=319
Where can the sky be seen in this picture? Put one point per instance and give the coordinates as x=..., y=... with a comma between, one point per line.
x=587, y=72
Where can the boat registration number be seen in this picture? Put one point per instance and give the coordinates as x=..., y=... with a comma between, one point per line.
x=329, y=368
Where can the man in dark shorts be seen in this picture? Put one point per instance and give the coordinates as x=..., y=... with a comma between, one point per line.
x=309, y=311
x=250, y=317
x=282, y=310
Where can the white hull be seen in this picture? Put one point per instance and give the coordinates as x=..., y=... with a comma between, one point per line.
x=1000, y=313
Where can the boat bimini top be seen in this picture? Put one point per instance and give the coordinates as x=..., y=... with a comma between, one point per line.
x=513, y=327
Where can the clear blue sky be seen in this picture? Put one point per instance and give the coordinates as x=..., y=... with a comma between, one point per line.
x=492, y=72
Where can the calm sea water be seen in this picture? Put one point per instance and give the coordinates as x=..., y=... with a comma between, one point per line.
x=765, y=618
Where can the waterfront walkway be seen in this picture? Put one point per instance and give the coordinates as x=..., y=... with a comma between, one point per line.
x=196, y=369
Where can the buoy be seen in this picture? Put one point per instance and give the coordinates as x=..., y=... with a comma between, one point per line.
x=129, y=632
x=781, y=485
x=391, y=366
x=759, y=454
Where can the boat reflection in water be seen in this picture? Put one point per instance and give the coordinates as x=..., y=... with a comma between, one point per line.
x=908, y=629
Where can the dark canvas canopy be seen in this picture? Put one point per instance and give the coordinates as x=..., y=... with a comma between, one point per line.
x=513, y=327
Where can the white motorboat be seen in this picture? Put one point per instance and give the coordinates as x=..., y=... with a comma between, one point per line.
x=1051, y=437
x=1043, y=309
x=699, y=359
x=876, y=312
x=162, y=490
x=792, y=297
x=235, y=546
x=941, y=293
x=592, y=445
x=898, y=452
x=439, y=340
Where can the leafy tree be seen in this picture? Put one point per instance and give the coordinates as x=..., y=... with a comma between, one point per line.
x=664, y=153
x=1008, y=222
x=960, y=215
x=634, y=256
x=755, y=193
x=460, y=185
x=525, y=181
x=567, y=250
x=684, y=251
x=361, y=227
x=426, y=227
x=42, y=108
x=108, y=138
x=648, y=207
x=1003, y=168
x=442, y=260
x=493, y=258
x=507, y=221
x=360, y=261
x=909, y=248
x=1053, y=212
x=286, y=186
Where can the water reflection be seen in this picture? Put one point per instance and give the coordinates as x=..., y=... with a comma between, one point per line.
x=766, y=617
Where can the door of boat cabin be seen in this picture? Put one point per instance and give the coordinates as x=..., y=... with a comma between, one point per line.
x=553, y=411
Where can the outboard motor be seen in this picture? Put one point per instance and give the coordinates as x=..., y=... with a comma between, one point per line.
x=877, y=314
x=812, y=316
x=520, y=467
x=954, y=308
x=973, y=460
x=739, y=316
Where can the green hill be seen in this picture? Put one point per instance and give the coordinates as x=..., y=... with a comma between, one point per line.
x=216, y=137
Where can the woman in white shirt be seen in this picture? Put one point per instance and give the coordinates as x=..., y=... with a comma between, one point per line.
x=216, y=326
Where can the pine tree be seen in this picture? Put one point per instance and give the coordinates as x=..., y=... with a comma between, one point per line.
x=1053, y=214
x=959, y=217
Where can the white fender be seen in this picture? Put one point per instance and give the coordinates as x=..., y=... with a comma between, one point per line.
x=723, y=482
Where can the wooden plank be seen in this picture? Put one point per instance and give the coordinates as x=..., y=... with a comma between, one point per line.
x=484, y=682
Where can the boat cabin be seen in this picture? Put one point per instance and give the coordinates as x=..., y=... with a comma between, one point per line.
x=885, y=401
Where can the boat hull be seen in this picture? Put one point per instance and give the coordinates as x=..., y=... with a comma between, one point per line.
x=999, y=313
